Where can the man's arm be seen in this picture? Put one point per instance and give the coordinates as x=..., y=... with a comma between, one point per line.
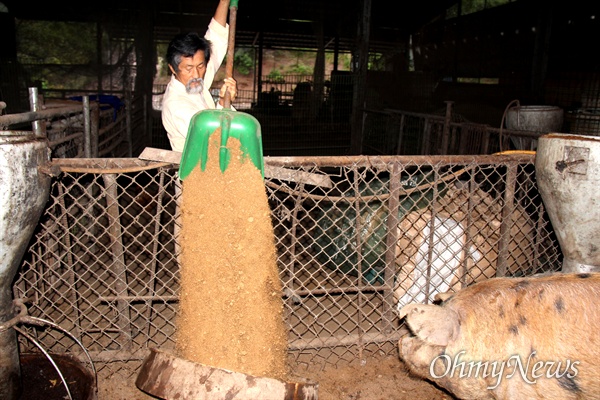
x=221, y=12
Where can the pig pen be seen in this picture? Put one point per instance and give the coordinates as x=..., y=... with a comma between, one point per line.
x=103, y=261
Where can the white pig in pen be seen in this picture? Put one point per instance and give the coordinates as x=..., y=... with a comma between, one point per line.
x=457, y=243
x=510, y=338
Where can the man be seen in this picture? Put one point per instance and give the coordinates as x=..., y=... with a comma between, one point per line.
x=194, y=61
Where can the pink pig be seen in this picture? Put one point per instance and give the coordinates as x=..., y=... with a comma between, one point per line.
x=510, y=338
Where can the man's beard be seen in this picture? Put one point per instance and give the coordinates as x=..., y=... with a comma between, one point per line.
x=194, y=89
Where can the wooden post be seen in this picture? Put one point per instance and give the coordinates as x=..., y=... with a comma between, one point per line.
x=446, y=134
x=360, y=79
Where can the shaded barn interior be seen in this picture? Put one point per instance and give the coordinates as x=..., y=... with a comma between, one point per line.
x=411, y=61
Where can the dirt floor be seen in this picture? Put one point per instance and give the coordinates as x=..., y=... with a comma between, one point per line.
x=383, y=379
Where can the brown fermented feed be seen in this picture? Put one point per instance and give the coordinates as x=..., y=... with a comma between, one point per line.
x=231, y=310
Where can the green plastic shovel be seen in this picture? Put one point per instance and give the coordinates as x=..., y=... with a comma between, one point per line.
x=241, y=126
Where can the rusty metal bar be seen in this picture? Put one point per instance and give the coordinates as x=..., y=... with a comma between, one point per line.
x=105, y=165
x=304, y=292
x=538, y=238
x=147, y=138
x=412, y=160
x=426, y=138
x=128, y=110
x=177, y=219
x=65, y=139
x=155, y=237
x=507, y=211
x=118, y=265
x=94, y=128
x=110, y=356
x=431, y=238
x=87, y=135
x=72, y=295
x=12, y=119
x=446, y=133
x=291, y=265
x=352, y=339
x=389, y=275
x=469, y=237
x=130, y=299
x=400, y=134
x=359, y=255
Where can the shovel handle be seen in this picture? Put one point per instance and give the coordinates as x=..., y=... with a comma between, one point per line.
x=233, y=5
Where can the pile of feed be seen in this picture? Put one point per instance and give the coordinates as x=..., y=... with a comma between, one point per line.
x=231, y=309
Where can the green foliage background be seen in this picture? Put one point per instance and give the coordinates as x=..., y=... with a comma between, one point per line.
x=58, y=50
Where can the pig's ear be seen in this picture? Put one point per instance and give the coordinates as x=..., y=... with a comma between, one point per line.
x=432, y=324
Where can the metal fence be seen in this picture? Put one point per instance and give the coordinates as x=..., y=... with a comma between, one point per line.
x=86, y=126
x=389, y=132
x=357, y=237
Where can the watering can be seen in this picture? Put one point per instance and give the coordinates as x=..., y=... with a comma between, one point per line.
x=233, y=124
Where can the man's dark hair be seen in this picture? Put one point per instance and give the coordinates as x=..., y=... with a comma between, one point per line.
x=186, y=45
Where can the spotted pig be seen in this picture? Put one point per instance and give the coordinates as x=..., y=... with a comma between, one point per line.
x=510, y=338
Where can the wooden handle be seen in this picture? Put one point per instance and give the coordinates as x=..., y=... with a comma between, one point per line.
x=230, y=50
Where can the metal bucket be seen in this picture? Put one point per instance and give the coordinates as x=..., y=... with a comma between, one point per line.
x=568, y=176
x=24, y=191
x=543, y=119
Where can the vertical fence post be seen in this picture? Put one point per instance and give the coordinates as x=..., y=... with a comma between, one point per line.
x=155, y=250
x=426, y=136
x=399, y=143
x=431, y=239
x=389, y=274
x=118, y=267
x=147, y=125
x=447, y=121
x=128, y=110
x=37, y=126
x=94, y=128
x=507, y=212
x=87, y=131
x=358, y=229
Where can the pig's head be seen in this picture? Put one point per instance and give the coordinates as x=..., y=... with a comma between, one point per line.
x=429, y=347
x=432, y=328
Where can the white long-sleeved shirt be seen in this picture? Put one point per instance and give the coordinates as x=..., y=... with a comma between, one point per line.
x=178, y=107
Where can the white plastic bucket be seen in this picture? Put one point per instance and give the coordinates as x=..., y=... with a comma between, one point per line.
x=568, y=176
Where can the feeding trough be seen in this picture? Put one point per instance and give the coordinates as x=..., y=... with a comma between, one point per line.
x=23, y=195
x=568, y=176
x=169, y=377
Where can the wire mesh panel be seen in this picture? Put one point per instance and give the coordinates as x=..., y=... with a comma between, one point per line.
x=357, y=238
x=386, y=233
x=103, y=261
